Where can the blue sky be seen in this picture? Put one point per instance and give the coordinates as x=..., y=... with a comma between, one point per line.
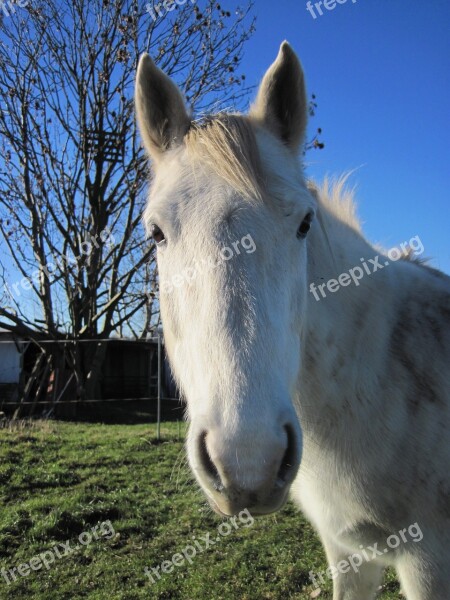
x=380, y=71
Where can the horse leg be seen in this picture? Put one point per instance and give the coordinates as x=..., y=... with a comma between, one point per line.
x=423, y=578
x=357, y=582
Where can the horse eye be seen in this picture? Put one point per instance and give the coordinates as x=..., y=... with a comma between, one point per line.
x=305, y=226
x=157, y=234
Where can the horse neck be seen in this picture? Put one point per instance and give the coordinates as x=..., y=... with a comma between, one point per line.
x=343, y=330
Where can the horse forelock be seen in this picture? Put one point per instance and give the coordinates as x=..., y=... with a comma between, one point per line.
x=227, y=144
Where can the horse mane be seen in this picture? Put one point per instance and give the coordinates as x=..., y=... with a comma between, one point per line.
x=338, y=198
x=422, y=263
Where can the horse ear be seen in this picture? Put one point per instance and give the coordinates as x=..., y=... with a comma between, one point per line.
x=281, y=103
x=160, y=109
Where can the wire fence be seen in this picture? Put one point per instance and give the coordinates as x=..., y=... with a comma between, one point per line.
x=69, y=378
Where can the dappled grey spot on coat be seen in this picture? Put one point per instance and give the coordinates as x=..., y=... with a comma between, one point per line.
x=419, y=335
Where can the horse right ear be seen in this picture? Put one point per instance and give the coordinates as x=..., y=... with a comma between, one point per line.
x=161, y=113
x=281, y=104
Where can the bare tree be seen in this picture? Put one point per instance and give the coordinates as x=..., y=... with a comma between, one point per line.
x=74, y=173
x=314, y=143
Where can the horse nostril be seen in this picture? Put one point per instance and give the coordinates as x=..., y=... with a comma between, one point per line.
x=207, y=463
x=286, y=470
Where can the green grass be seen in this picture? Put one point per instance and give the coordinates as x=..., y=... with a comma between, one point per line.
x=61, y=479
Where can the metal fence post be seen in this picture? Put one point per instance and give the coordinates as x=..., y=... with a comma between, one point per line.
x=158, y=411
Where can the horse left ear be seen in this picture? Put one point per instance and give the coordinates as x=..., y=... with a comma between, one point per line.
x=281, y=103
x=160, y=109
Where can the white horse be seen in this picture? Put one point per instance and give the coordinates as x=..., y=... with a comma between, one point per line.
x=300, y=373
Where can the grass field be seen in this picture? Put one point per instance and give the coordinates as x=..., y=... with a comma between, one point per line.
x=59, y=480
